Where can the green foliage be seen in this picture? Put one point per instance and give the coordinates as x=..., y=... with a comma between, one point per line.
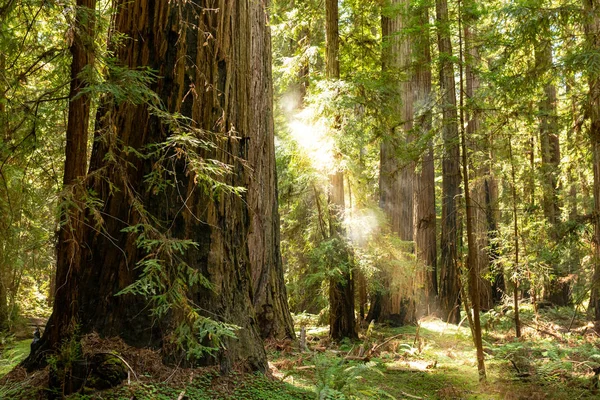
x=343, y=381
x=13, y=352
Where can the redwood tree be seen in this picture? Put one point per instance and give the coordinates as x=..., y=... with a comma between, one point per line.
x=212, y=66
x=592, y=33
x=341, y=289
x=449, y=280
x=270, y=295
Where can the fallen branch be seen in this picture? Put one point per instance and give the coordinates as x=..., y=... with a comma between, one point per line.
x=385, y=342
x=304, y=367
x=410, y=395
x=537, y=328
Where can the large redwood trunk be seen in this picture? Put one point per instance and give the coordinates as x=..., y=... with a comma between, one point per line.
x=396, y=175
x=425, y=218
x=449, y=279
x=209, y=57
x=270, y=294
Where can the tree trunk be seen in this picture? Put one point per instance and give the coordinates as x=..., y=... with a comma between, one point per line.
x=341, y=291
x=208, y=64
x=69, y=270
x=424, y=203
x=397, y=175
x=449, y=292
x=481, y=193
x=556, y=291
x=516, y=241
x=4, y=211
x=472, y=263
x=592, y=33
x=270, y=295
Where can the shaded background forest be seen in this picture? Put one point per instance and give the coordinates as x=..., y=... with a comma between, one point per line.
x=430, y=157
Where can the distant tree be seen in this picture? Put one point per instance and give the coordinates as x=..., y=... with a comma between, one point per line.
x=341, y=289
x=557, y=291
x=449, y=278
x=425, y=214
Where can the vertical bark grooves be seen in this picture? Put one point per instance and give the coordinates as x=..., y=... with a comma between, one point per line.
x=71, y=233
x=269, y=294
x=203, y=54
x=592, y=33
x=449, y=280
x=425, y=218
x=341, y=291
x=397, y=176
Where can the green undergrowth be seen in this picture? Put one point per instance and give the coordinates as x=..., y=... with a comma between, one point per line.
x=202, y=387
x=554, y=359
x=13, y=353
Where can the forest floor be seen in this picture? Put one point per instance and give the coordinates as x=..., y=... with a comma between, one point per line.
x=555, y=359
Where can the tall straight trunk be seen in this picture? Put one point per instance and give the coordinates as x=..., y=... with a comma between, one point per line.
x=424, y=203
x=4, y=211
x=341, y=291
x=397, y=176
x=472, y=263
x=270, y=295
x=71, y=233
x=557, y=291
x=516, y=241
x=482, y=192
x=207, y=64
x=592, y=33
x=449, y=292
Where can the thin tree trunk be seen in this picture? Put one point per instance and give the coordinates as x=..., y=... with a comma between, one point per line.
x=472, y=263
x=449, y=292
x=516, y=239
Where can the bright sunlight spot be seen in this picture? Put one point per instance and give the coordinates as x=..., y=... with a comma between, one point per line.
x=312, y=137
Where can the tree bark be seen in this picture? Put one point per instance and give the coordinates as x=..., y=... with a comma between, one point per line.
x=71, y=244
x=270, y=294
x=556, y=291
x=592, y=34
x=424, y=214
x=397, y=177
x=483, y=193
x=341, y=291
x=449, y=292
x=472, y=263
x=207, y=59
